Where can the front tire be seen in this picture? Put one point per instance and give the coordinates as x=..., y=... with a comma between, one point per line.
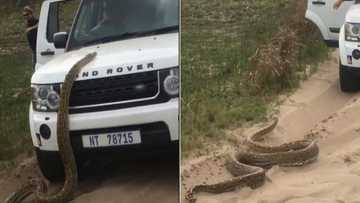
x=50, y=165
x=348, y=81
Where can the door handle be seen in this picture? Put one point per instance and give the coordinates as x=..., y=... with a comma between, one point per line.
x=318, y=3
x=47, y=53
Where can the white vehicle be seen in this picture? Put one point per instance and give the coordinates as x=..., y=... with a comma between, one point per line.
x=126, y=100
x=340, y=28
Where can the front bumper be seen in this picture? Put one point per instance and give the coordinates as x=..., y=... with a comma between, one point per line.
x=346, y=49
x=157, y=123
x=346, y=54
x=355, y=71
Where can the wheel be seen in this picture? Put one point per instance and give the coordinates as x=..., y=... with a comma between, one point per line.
x=50, y=165
x=348, y=81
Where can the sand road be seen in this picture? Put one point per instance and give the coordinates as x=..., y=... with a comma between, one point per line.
x=318, y=107
x=146, y=179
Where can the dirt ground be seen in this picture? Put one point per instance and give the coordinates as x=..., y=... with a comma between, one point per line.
x=149, y=179
x=318, y=108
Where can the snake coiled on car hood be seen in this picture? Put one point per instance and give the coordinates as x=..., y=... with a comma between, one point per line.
x=38, y=187
x=247, y=168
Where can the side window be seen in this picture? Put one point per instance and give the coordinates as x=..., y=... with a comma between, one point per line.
x=60, y=18
x=67, y=12
x=53, y=24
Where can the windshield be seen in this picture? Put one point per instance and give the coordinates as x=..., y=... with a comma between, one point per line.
x=101, y=21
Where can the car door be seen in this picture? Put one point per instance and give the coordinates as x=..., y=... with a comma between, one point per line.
x=55, y=16
x=327, y=19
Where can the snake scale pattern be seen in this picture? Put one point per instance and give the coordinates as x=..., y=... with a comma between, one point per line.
x=248, y=167
x=38, y=187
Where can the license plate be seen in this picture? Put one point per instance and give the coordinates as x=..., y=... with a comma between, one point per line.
x=111, y=139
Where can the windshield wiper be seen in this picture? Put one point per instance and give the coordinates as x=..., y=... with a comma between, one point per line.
x=110, y=38
x=132, y=35
x=160, y=30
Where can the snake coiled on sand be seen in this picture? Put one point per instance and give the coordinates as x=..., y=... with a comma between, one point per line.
x=248, y=167
x=38, y=187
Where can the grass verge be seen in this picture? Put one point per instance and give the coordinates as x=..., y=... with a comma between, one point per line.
x=222, y=46
x=16, y=71
x=15, y=76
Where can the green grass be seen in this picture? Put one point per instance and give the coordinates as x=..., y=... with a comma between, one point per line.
x=15, y=76
x=16, y=71
x=218, y=38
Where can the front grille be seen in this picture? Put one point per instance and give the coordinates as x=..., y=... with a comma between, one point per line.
x=115, y=89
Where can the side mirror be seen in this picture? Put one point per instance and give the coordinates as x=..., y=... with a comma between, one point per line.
x=60, y=39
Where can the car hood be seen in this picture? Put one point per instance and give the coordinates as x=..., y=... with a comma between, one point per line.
x=114, y=58
x=353, y=15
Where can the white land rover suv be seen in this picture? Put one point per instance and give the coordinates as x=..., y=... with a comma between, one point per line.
x=340, y=28
x=126, y=100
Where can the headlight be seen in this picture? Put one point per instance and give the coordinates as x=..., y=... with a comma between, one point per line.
x=352, y=32
x=170, y=78
x=45, y=97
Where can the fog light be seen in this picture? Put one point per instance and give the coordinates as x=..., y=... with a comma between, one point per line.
x=356, y=54
x=45, y=131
